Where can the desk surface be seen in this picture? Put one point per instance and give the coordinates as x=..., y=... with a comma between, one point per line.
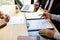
x=11, y=31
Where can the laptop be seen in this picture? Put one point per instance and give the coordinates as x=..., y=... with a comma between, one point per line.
x=25, y=8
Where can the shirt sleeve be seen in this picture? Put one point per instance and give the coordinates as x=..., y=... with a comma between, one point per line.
x=56, y=17
x=57, y=36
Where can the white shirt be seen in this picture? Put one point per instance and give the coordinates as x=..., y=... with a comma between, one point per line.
x=57, y=18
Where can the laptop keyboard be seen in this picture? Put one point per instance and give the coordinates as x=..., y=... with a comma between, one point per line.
x=26, y=7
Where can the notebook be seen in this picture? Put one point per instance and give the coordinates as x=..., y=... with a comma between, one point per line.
x=23, y=7
x=28, y=38
x=39, y=24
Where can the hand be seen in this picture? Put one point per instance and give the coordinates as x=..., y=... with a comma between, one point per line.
x=1, y=15
x=3, y=23
x=4, y=19
x=36, y=6
x=4, y=16
x=47, y=33
x=46, y=14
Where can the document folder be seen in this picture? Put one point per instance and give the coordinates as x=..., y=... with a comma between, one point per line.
x=28, y=38
x=39, y=24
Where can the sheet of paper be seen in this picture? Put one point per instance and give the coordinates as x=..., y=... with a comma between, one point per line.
x=8, y=9
x=38, y=24
x=6, y=2
x=32, y=15
x=40, y=11
x=16, y=20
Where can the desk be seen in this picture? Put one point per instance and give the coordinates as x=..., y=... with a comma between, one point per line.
x=11, y=31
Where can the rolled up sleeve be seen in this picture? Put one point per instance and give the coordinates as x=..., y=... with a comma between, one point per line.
x=55, y=17
x=57, y=36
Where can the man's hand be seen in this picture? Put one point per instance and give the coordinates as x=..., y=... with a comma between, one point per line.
x=47, y=33
x=4, y=16
x=47, y=15
x=4, y=19
x=36, y=7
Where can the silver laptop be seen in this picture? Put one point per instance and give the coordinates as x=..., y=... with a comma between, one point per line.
x=24, y=7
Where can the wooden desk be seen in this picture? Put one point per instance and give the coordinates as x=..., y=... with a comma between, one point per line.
x=11, y=31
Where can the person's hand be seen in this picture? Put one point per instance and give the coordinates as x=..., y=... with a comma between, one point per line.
x=4, y=16
x=4, y=19
x=47, y=33
x=46, y=14
x=36, y=6
x=1, y=15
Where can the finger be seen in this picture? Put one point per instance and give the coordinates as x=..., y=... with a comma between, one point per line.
x=7, y=18
x=41, y=31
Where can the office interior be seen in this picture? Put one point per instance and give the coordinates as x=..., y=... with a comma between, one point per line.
x=20, y=24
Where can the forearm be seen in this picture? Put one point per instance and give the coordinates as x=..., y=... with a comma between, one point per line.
x=57, y=36
x=2, y=23
x=56, y=17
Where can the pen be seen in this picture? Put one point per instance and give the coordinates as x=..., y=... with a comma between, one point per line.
x=41, y=16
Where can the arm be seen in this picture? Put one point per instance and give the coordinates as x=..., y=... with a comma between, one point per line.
x=3, y=20
x=49, y=33
x=48, y=15
x=57, y=35
x=55, y=17
x=2, y=23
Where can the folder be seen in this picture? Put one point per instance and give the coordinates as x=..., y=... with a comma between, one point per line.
x=28, y=38
x=39, y=24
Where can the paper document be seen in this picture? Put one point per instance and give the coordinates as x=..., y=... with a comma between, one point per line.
x=7, y=2
x=38, y=24
x=32, y=15
x=16, y=20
